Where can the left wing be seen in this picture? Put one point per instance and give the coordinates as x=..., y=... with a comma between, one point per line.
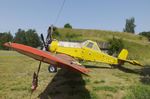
x=47, y=57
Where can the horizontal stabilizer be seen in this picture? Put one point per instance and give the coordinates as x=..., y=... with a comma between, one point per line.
x=134, y=62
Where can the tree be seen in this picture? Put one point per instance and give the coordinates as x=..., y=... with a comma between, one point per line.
x=5, y=37
x=29, y=37
x=32, y=38
x=146, y=34
x=67, y=25
x=20, y=37
x=129, y=26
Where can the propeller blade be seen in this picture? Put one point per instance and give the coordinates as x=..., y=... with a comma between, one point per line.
x=44, y=43
x=49, y=35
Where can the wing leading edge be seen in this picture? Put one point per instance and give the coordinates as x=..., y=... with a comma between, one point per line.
x=46, y=57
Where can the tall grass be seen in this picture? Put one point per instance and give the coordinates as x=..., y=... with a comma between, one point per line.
x=100, y=35
x=138, y=92
x=106, y=88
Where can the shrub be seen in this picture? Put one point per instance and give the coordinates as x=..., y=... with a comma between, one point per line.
x=115, y=46
x=146, y=34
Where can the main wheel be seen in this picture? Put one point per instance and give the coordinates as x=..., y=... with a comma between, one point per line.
x=52, y=69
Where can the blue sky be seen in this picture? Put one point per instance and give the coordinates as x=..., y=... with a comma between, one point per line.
x=86, y=14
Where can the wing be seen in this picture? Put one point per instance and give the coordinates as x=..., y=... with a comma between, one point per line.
x=47, y=57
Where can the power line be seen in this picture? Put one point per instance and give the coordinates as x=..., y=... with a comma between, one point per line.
x=58, y=15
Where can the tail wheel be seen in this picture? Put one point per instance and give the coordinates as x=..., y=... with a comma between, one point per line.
x=52, y=69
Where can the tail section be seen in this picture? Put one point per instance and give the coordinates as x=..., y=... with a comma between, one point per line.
x=122, y=57
x=123, y=54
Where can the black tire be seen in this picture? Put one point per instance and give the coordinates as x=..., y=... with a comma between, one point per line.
x=52, y=69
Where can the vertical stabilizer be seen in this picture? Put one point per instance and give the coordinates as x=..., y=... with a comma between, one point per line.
x=123, y=54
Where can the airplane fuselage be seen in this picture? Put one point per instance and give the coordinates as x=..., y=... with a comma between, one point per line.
x=87, y=50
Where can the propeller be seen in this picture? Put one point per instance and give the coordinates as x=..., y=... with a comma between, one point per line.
x=49, y=38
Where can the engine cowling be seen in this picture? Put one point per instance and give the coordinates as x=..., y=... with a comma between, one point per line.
x=53, y=46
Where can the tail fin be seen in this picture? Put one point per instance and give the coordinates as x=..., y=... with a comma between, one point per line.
x=122, y=57
x=123, y=54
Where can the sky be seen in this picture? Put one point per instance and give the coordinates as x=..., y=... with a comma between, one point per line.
x=81, y=14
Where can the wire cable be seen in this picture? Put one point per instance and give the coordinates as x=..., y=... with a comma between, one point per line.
x=58, y=15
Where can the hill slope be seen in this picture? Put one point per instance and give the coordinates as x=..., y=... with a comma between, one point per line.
x=137, y=45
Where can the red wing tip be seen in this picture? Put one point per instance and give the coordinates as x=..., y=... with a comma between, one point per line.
x=7, y=44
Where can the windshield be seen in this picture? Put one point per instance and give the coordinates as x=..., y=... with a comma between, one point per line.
x=91, y=45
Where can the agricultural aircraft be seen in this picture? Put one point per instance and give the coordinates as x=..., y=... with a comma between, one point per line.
x=64, y=54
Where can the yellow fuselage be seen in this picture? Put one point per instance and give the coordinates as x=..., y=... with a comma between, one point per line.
x=88, y=51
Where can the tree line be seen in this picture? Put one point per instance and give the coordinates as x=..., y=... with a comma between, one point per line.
x=29, y=37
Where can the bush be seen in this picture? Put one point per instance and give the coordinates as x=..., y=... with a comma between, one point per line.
x=115, y=46
x=67, y=25
x=146, y=34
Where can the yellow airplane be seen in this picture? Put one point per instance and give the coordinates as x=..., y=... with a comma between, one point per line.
x=87, y=51
x=65, y=55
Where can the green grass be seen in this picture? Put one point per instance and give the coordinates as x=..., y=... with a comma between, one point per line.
x=16, y=77
x=105, y=88
x=99, y=81
x=100, y=35
x=138, y=92
x=130, y=82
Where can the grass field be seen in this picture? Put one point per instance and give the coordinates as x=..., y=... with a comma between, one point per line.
x=16, y=70
x=128, y=82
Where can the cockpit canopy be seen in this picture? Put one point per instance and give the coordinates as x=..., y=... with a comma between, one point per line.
x=91, y=45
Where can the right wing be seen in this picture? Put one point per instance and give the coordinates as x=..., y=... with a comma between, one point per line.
x=47, y=57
